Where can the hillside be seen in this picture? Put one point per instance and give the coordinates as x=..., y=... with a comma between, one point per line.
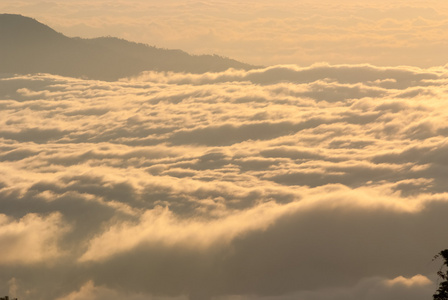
x=28, y=46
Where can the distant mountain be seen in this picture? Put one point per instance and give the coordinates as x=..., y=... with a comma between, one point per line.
x=28, y=46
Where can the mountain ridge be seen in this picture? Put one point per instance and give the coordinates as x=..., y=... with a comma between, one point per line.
x=28, y=46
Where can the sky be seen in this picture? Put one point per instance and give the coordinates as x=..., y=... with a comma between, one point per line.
x=321, y=176
x=261, y=32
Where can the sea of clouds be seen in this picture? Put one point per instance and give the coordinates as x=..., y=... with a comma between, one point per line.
x=326, y=182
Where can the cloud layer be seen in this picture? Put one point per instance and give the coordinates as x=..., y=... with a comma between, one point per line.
x=326, y=182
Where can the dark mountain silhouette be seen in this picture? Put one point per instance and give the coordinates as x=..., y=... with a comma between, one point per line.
x=27, y=46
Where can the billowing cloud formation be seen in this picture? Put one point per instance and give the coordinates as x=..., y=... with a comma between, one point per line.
x=262, y=32
x=326, y=182
x=30, y=239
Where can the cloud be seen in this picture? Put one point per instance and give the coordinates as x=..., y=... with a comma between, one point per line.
x=319, y=74
x=369, y=288
x=32, y=239
x=159, y=226
x=90, y=291
x=416, y=280
x=278, y=183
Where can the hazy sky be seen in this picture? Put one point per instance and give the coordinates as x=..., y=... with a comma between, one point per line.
x=262, y=32
x=301, y=180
